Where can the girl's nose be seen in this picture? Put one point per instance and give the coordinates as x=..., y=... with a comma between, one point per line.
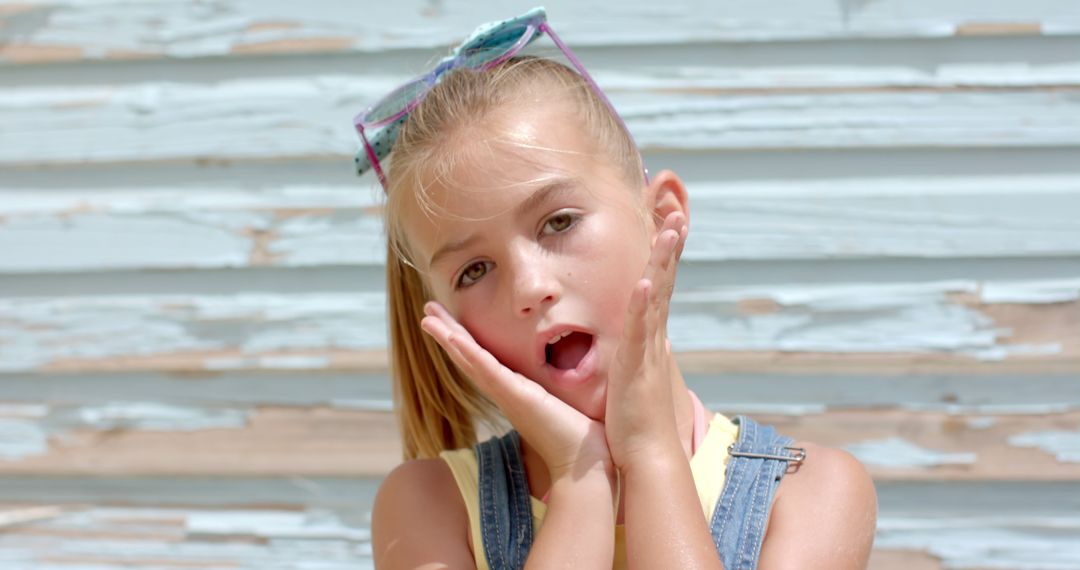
x=534, y=287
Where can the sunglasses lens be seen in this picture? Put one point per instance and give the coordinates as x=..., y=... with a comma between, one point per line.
x=493, y=45
x=489, y=47
x=395, y=102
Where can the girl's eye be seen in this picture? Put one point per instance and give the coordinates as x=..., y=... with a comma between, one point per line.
x=473, y=273
x=560, y=222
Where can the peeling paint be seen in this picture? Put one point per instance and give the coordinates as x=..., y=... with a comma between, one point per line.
x=178, y=30
x=20, y=438
x=898, y=452
x=319, y=225
x=1059, y=291
x=981, y=423
x=890, y=318
x=161, y=417
x=373, y=405
x=1047, y=543
x=293, y=362
x=777, y=408
x=41, y=244
x=214, y=539
x=265, y=327
x=23, y=410
x=1064, y=445
x=321, y=525
x=53, y=329
x=1029, y=409
x=198, y=227
x=23, y=516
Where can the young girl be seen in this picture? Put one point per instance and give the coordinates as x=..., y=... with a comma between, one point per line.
x=530, y=265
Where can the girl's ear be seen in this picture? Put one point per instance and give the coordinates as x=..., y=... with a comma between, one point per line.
x=666, y=194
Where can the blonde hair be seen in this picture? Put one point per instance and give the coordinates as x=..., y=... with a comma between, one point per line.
x=438, y=407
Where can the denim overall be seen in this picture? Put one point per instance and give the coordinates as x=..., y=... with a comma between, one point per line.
x=757, y=461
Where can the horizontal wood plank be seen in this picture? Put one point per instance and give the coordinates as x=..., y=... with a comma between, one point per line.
x=961, y=322
x=282, y=117
x=126, y=438
x=207, y=227
x=73, y=31
x=214, y=522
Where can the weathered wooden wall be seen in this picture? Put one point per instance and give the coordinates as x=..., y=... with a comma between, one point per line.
x=885, y=257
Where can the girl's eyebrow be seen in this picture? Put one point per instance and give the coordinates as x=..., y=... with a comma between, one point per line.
x=548, y=191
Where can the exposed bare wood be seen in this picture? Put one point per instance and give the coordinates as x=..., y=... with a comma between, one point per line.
x=999, y=29
x=883, y=559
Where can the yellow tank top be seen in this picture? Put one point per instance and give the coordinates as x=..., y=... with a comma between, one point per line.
x=708, y=466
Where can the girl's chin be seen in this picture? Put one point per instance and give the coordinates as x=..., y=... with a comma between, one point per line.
x=592, y=403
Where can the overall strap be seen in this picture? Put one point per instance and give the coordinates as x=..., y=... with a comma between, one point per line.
x=758, y=460
x=505, y=505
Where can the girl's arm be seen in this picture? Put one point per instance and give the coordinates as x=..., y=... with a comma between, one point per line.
x=419, y=519
x=579, y=527
x=824, y=515
x=665, y=526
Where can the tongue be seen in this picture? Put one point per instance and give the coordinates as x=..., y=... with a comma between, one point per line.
x=568, y=352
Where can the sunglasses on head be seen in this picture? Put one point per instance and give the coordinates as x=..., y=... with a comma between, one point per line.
x=488, y=46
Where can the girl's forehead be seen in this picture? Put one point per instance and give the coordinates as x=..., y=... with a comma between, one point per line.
x=489, y=167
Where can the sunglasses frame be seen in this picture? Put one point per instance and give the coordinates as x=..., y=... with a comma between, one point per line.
x=535, y=22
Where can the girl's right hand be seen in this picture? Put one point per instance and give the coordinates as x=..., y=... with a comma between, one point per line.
x=570, y=443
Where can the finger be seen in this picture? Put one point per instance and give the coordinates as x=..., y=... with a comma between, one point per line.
x=489, y=375
x=672, y=221
x=437, y=310
x=660, y=267
x=665, y=245
x=438, y=330
x=513, y=393
x=660, y=256
x=660, y=260
x=674, y=225
x=669, y=278
x=494, y=378
x=684, y=233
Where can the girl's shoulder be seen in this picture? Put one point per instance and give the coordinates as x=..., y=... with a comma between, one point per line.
x=824, y=513
x=419, y=518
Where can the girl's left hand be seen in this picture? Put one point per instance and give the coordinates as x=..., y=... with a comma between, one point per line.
x=640, y=416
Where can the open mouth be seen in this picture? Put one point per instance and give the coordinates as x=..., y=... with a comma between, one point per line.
x=567, y=353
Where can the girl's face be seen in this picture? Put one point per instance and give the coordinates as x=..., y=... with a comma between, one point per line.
x=536, y=251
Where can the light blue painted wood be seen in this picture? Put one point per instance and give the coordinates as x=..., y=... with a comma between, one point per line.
x=854, y=166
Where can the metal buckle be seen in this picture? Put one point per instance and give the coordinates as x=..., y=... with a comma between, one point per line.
x=796, y=459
